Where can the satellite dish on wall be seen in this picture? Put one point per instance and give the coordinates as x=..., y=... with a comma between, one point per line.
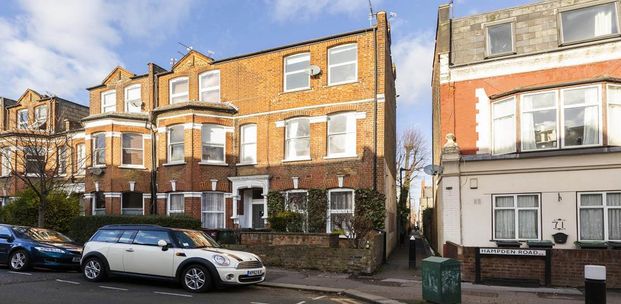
x=314, y=70
x=433, y=170
x=136, y=103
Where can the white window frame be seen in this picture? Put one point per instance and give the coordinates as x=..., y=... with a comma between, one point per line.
x=95, y=149
x=488, y=45
x=168, y=201
x=206, y=127
x=62, y=159
x=558, y=119
x=493, y=131
x=209, y=89
x=170, y=92
x=243, y=132
x=6, y=155
x=584, y=6
x=39, y=121
x=331, y=211
x=605, y=208
x=20, y=123
x=285, y=73
x=330, y=66
x=287, y=139
x=169, y=147
x=516, y=210
x=94, y=208
x=223, y=212
x=80, y=160
x=562, y=115
x=123, y=148
x=609, y=105
x=108, y=108
x=128, y=107
x=350, y=150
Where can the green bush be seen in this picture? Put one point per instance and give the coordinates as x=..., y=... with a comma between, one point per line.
x=428, y=222
x=371, y=204
x=287, y=221
x=317, y=210
x=275, y=203
x=25, y=210
x=83, y=227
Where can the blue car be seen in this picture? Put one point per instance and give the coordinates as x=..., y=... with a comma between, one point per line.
x=25, y=247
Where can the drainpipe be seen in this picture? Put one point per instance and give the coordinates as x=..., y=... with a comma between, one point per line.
x=375, y=89
x=153, y=143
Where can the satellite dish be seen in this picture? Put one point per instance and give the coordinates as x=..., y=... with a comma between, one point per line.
x=314, y=70
x=97, y=171
x=433, y=170
x=136, y=103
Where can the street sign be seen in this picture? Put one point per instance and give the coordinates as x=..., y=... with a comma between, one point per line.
x=512, y=251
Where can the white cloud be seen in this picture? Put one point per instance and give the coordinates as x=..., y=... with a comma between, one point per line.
x=65, y=46
x=285, y=10
x=413, y=55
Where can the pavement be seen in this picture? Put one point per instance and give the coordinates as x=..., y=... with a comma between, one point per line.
x=396, y=283
x=59, y=287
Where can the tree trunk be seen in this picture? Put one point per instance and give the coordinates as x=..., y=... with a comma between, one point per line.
x=41, y=219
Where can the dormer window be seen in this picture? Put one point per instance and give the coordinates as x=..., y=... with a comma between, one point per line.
x=22, y=119
x=41, y=117
x=108, y=101
x=179, y=88
x=587, y=23
x=133, y=99
x=499, y=39
x=209, y=84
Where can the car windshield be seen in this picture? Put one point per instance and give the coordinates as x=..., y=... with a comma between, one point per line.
x=194, y=239
x=42, y=235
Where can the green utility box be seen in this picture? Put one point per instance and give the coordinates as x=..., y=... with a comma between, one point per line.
x=441, y=280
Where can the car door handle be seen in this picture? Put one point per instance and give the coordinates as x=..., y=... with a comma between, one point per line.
x=129, y=250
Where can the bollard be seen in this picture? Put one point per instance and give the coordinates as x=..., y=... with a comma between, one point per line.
x=594, y=284
x=412, y=252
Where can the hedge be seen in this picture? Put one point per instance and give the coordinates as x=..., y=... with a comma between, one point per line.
x=371, y=204
x=83, y=227
x=317, y=210
x=24, y=210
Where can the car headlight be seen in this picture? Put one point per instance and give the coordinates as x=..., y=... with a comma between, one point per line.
x=50, y=249
x=258, y=258
x=221, y=260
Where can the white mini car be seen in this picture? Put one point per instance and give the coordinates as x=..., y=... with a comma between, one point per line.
x=186, y=256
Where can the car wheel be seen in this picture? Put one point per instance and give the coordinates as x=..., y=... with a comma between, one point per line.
x=94, y=270
x=196, y=278
x=19, y=260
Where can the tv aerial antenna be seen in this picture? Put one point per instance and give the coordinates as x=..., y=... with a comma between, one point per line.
x=371, y=13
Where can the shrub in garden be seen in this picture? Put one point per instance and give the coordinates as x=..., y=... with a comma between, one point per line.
x=60, y=209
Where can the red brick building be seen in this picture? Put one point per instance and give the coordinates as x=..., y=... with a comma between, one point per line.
x=526, y=109
x=210, y=138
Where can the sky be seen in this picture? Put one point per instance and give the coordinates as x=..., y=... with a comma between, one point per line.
x=62, y=47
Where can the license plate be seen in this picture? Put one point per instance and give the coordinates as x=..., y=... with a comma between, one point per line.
x=254, y=272
x=76, y=260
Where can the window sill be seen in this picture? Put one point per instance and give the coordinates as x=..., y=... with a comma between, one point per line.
x=174, y=164
x=296, y=160
x=493, y=56
x=245, y=164
x=297, y=90
x=132, y=167
x=342, y=83
x=329, y=157
x=204, y=163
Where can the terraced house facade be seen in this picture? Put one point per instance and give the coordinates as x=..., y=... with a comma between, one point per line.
x=210, y=138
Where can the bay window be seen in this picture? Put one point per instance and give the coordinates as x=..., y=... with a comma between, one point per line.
x=212, y=210
x=614, y=115
x=600, y=216
x=61, y=160
x=176, y=203
x=108, y=101
x=539, y=121
x=503, y=126
x=297, y=139
x=80, y=160
x=99, y=149
x=132, y=150
x=248, y=146
x=296, y=75
x=35, y=160
x=179, y=90
x=343, y=64
x=22, y=119
x=516, y=217
x=581, y=116
x=209, y=86
x=176, y=153
x=340, y=210
x=133, y=99
x=499, y=39
x=589, y=22
x=99, y=203
x=6, y=160
x=132, y=203
x=213, y=143
x=342, y=135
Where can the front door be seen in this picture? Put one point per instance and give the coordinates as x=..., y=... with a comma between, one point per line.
x=146, y=257
x=257, y=216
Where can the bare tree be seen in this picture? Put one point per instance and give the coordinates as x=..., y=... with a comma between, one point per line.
x=412, y=157
x=39, y=159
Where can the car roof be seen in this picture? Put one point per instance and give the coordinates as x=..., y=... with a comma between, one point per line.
x=134, y=227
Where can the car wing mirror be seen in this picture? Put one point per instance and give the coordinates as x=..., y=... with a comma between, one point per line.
x=163, y=244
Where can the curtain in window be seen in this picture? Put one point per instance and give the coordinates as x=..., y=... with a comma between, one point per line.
x=213, y=210
x=591, y=117
x=614, y=115
x=528, y=131
x=505, y=224
x=527, y=219
x=603, y=22
x=591, y=219
x=504, y=126
x=614, y=216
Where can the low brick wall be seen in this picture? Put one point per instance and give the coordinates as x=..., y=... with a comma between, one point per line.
x=567, y=266
x=320, y=252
